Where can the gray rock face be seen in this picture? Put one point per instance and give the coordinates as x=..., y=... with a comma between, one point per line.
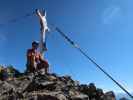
x=80, y=97
x=109, y=96
x=49, y=87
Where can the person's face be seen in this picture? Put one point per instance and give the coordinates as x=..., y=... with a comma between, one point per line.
x=35, y=46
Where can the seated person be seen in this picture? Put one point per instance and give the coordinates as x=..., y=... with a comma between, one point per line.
x=35, y=61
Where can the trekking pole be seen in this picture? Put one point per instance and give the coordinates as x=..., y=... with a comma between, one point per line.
x=90, y=59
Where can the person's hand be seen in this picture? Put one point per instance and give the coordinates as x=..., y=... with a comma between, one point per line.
x=37, y=11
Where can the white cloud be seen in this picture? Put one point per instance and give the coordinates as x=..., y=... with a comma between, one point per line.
x=110, y=13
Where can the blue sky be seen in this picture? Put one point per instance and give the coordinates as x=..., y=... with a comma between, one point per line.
x=103, y=28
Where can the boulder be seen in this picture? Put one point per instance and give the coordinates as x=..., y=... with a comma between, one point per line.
x=109, y=96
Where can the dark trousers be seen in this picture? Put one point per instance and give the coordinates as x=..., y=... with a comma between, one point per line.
x=41, y=65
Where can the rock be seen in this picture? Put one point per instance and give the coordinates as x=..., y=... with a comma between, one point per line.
x=80, y=97
x=6, y=88
x=38, y=86
x=84, y=89
x=61, y=97
x=109, y=96
x=92, y=91
x=100, y=94
x=20, y=85
x=52, y=78
x=42, y=97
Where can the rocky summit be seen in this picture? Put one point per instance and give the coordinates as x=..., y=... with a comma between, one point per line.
x=50, y=87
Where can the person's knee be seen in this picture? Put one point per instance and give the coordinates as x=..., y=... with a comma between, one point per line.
x=45, y=63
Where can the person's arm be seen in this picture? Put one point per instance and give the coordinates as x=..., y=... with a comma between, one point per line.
x=30, y=58
x=39, y=14
x=45, y=14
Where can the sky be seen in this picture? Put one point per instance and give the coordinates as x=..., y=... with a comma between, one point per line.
x=102, y=28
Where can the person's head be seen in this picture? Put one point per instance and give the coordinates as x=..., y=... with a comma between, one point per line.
x=35, y=45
